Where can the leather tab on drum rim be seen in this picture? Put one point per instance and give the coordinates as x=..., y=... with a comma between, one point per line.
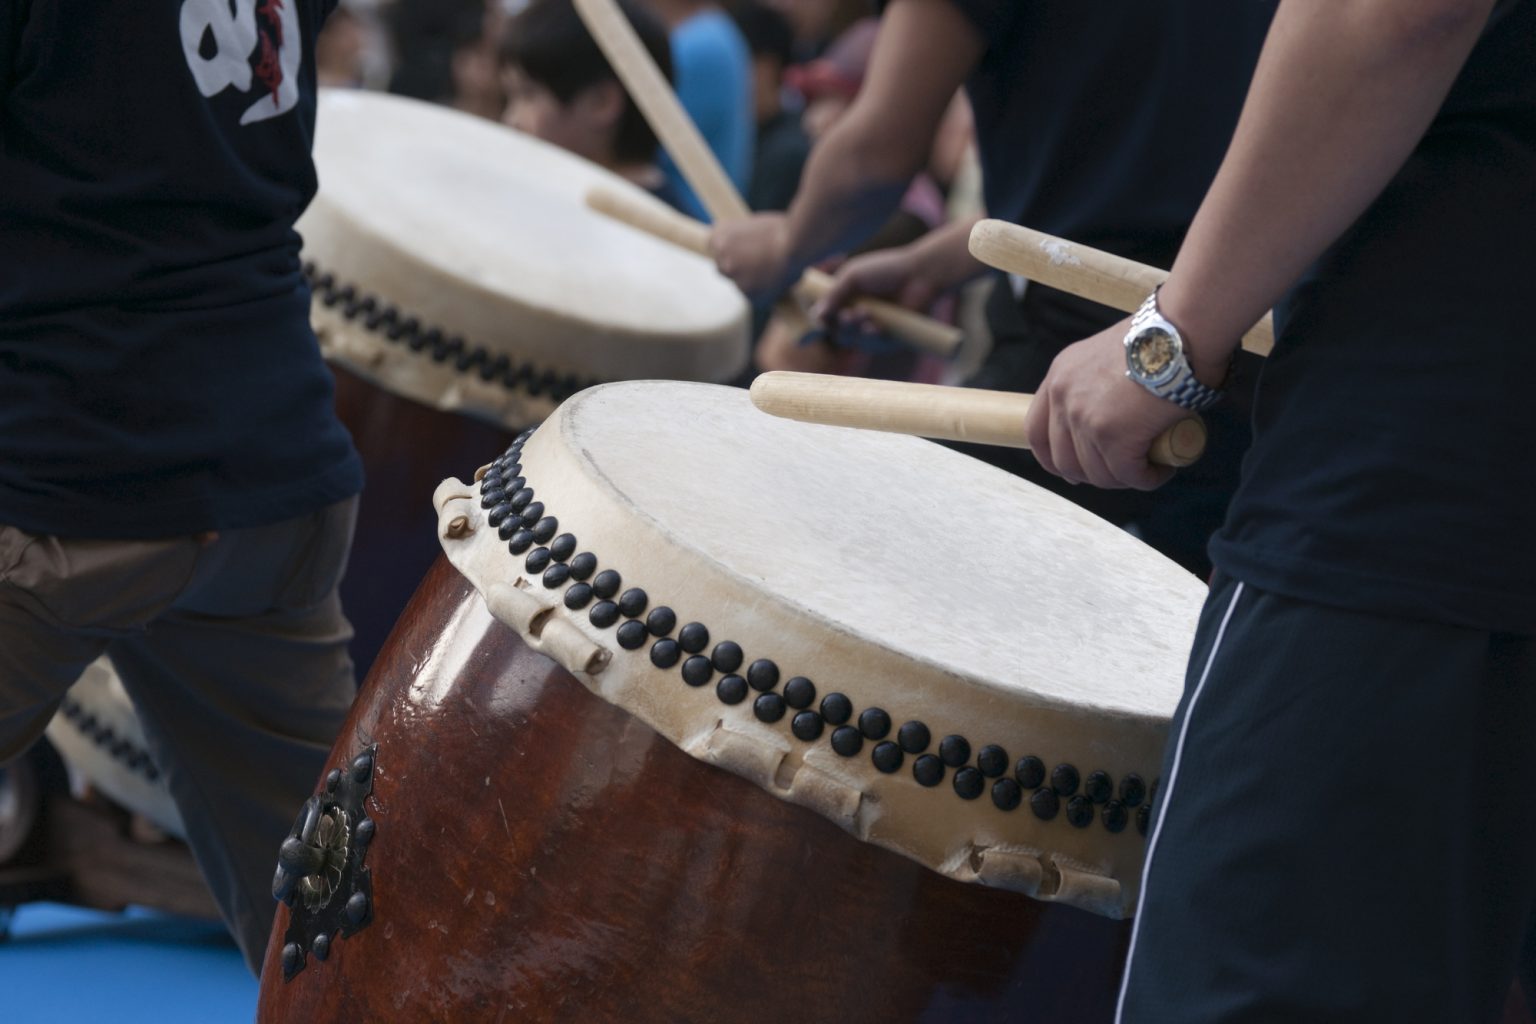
x=781, y=770
x=1040, y=876
x=544, y=631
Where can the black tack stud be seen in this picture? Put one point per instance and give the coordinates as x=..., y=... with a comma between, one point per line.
x=969, y=783
x=583, y=566
x=563, y=546
x=510, y=528
x=607, y=584
x=521, y=541
x=992, y=760
x=556, y=575
x=762, y=675
x=365, y=831
x=1132, y=790
x=887, y=757
x=799, y=692
x=1080, y=812
x=1007, y=794
x=578, y=596
x=694, y=637
x=731, y=689
x=661, y=621
x=769, y=707
x=1030, y=771
x=836, y=708
x=633, y=603
x=727, y=656
x=1116, y=816
x=490, y=497
x=847, y=740
x=322, y=946
x=357, y=908
x=631, y=635
x=293, y=959
x=1143, y=818
x=1064, y=779
x=954, y=750
x=533, y=512
x=362, y=768
x=521, y=498
x=603, y=614
x=928, y=770
x=806, y=726
x=665, y=652
x=537, y=561
x=1045, y=803
x=697, y=670
x=499, y=514
x=875, y=723
x=1099, y=787
x=914, y=738
x=332, y=780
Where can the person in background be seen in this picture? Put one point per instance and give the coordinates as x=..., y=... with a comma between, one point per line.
x=817, y=23
x=1074, y=112
x=560, y=88
x=782, y=144
x=712, y=74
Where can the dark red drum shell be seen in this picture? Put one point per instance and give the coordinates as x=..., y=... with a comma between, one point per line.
x=408, y=449
x=541, y=855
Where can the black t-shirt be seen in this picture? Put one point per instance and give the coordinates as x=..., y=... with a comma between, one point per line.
x=158, y=374
x=1393, y=468
x=1103, y=121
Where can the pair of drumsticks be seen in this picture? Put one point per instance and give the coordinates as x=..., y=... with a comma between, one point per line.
x=927, y=410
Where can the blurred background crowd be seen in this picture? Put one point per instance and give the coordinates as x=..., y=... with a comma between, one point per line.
x=763, y=80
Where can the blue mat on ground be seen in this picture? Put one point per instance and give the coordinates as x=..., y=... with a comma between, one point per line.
x=66, y=965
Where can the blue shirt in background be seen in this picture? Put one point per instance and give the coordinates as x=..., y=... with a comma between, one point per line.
x=712, y=68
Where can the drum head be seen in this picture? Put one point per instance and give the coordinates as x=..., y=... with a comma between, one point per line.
x=1004, y=663
x=435, y=226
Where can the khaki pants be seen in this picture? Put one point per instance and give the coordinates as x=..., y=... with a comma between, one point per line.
x=234, y=650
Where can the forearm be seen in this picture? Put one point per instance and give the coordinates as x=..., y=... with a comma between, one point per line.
x=944, y=255
x=853, y=182
x=1343, y=92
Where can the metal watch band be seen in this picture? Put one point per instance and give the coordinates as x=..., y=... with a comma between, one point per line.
x=1184, y=389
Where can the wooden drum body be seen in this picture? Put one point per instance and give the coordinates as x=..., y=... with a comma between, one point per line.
x=713, y=716
x=462, y=289
x=541, y=855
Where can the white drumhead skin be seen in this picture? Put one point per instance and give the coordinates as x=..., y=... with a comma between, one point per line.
x=97, y=733
x=887, y=568
x=481, y=231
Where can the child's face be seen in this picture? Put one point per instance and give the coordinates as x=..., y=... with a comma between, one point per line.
x=576, y=126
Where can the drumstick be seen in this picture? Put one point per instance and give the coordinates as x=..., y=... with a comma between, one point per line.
x=933, y=410
x=919, y=331
x=1083, y=271
x=644, y=81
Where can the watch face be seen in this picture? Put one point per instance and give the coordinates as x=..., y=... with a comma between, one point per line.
x=1152, y=353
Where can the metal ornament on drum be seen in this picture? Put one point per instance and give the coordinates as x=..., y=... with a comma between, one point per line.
x=724, y=717
x=462, y=288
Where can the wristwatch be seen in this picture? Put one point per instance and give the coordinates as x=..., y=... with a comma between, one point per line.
x=1155, y=359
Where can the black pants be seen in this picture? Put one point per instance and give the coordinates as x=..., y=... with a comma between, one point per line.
x=1178, y=518
x=1343, y=831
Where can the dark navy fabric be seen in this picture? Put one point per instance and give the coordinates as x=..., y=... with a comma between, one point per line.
x=1344, y=839
x=1103, y=121
x=1392, y=468
x=158, y=374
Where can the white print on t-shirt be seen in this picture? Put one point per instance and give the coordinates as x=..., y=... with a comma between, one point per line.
x=267, y=29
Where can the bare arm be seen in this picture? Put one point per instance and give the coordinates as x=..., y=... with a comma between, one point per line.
x=1343, y=92
x=857, y=173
